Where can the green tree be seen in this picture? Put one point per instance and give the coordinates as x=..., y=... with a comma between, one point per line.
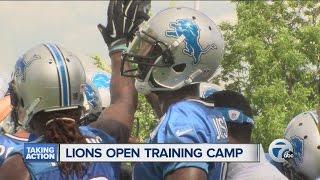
x=100, y=63
x=145, y=120
x=272, y=56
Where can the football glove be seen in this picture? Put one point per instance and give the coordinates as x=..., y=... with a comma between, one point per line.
x=124, y=18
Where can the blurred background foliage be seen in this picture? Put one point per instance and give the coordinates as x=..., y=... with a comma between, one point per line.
x=272, y=56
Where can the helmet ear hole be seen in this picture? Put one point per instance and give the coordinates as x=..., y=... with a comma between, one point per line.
x=179, y=67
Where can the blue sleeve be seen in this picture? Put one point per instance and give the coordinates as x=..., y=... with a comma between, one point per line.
x=3, y=149
x=7, y=146
x=184, y=124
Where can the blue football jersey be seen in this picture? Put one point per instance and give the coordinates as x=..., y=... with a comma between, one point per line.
x=96, y=170
x=188, y=121
x=8, y=143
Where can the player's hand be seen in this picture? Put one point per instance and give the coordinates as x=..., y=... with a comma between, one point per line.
x=124, y=18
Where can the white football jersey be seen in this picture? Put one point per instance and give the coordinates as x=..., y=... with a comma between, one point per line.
x=262, y=170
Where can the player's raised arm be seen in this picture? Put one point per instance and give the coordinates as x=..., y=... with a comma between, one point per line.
x=124, y=17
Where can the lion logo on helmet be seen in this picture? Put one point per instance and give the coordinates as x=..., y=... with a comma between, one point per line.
x=297, y=144
x=20, y=69
x=190, y=30
x=90, y=95
x=21, y=66
x=101, y=80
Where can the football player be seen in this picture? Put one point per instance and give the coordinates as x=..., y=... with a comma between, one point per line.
x=13, y=135
x=170, y=54
x=303, y=132
x=48, y=100
x=96, y=90
x=50, y=117
x=97, y=97
x=239, y=118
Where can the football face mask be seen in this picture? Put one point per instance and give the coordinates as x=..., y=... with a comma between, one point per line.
x=145, y=53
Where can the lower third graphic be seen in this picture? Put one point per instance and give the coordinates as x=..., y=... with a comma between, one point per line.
x=280, y=150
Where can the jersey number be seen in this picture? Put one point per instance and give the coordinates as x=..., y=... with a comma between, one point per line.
x=221, y=127
x=4, y=151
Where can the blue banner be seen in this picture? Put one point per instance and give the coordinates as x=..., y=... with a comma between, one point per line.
x=41, y=152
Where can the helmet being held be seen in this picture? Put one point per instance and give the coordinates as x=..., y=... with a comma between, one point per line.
x=96, y=94
x=99, y=80
x=46, y=78
x=303, y=132
x=175, y=48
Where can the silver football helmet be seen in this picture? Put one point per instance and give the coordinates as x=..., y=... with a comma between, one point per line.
x=46, y=78
x=99, y=80
x=303, y=132
x=97, y=91
x=175, y=48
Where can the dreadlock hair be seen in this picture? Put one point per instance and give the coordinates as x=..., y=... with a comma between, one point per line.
x=14, y=103
x=61, y=127
x=232, y=99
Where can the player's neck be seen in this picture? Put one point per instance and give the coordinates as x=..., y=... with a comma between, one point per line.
x=166, y=101
x=167, y=98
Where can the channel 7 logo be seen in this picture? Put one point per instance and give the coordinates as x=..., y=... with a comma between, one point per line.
x=280, y=150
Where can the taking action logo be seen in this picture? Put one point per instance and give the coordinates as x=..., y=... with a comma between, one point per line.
x=280, y=150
